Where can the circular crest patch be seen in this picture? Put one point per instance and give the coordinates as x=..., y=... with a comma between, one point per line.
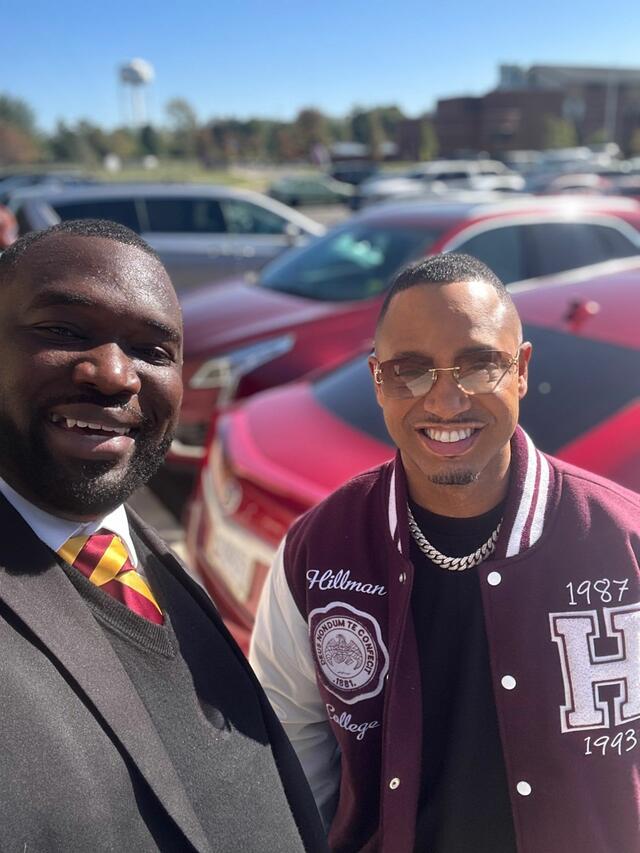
x=348, y=648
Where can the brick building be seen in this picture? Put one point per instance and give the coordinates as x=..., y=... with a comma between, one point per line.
x=603, y=101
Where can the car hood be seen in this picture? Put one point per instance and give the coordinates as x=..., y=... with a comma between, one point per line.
x=235, y=312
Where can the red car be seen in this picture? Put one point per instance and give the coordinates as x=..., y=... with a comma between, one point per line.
x=315, y=306
x=286, y=449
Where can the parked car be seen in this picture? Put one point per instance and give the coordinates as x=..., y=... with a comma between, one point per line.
x=284, y=450
x=296, y=190
x=353, y=171
x=203, y=233
x=440, y=176
x=313, y=307
x=11, y=183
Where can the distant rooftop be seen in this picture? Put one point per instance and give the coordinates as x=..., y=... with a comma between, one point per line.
x=561, y=76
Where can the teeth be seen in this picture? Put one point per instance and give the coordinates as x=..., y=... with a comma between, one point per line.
x=70, y=423
x=448, y=436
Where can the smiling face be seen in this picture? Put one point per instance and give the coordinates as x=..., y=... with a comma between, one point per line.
x=454, y=446
x=90, y=387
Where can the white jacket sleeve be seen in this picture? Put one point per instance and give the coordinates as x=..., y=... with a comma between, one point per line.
x=281, y=657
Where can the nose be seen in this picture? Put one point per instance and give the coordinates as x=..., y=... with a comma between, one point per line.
x=109, y=370
x=446, y=399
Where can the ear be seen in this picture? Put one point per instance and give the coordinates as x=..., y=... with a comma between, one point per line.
x=373, y=367
x=523, y=368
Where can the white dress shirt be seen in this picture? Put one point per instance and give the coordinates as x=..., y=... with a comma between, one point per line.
x=55, y=531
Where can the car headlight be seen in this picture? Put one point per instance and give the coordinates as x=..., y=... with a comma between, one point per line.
x=226, y=371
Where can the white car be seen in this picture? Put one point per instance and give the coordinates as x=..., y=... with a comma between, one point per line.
x=203, y=233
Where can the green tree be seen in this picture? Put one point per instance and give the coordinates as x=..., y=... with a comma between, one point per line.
x=183, y=127
x=17, y=146
x=634, y=142
x=150, y=141
x=17, y=113
x=367, y=128
x=68, y=146
x=428, y=140
x=559, y=133
x=123, y=143
x=390, y=118
x=598, y=137
x=311, y=127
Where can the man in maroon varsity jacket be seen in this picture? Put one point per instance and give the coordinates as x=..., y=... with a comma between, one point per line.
x=452, y=640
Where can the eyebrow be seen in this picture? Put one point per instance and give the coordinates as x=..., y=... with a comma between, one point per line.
x=52, y=298
x=423, y=357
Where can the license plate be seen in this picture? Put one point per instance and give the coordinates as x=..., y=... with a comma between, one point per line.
x=233, y=562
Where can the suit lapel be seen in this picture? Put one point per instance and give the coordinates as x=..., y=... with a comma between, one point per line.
x=34, y=586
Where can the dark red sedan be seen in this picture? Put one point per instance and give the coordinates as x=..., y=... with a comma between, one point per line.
x=284, y=450
x=315, y=306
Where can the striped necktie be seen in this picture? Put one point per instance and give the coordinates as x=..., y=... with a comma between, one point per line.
x=103, y=558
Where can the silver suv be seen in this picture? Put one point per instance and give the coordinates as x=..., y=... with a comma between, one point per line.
x=203, y=233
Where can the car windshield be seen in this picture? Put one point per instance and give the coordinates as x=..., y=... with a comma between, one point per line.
x=565, y=371
x=356, y=262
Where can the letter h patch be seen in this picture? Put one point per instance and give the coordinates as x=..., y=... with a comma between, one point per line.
x=585, y=672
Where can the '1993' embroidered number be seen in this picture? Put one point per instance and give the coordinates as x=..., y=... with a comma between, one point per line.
x=622, y=742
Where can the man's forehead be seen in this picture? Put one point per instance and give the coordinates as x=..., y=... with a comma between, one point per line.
x=72, y=263
x=432, y=312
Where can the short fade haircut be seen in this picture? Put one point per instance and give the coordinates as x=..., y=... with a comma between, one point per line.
x=11, y=257
x=446, y=268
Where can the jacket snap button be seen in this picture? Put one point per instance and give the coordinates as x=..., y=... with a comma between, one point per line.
x=508, y=682
x=523, y=788
x=394, y=783
x=402, y=577
x=494, y=578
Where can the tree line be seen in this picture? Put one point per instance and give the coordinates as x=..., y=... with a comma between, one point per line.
x=220, y=141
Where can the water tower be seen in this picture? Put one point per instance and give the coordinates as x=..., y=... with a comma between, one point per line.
x=135, y=76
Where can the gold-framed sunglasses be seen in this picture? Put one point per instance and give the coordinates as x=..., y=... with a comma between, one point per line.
x=476, y=373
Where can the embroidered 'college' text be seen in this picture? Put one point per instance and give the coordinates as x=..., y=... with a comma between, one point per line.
x=344, y=721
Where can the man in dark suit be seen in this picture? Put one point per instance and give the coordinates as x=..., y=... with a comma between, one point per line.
x=129, y=720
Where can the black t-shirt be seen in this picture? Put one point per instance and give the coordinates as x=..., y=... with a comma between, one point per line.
x=464, y=802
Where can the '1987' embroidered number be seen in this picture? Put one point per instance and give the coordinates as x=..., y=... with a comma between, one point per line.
x=603, y=590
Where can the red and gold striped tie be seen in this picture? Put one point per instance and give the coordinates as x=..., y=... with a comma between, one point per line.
x=103, y=558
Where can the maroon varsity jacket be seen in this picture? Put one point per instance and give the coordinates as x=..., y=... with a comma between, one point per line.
x=335, y=649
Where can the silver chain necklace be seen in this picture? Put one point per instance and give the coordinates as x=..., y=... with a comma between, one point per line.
x=454, y=564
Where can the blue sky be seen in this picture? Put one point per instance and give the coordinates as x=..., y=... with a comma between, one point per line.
x=252, y=58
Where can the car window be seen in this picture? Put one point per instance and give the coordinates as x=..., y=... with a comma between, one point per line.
x=447, y=176
x=242, y=217
x=559, y=246
x=501, y=249
x=566, y=370
x=122, y=211
x=614, y=243
x=355, y=262
x=185, y=215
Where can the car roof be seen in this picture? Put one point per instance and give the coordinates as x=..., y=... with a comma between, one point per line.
x=60, y=194
x=123, y=188
x=416, y=210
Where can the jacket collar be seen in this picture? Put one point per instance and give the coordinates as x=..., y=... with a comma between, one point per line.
x=530, y=498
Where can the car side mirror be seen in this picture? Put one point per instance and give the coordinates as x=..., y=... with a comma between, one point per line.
x=292, y=233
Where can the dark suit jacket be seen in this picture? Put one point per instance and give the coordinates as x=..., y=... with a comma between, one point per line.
x=81, y=765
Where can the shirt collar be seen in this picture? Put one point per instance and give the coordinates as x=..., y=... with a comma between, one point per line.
x=55, y=531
